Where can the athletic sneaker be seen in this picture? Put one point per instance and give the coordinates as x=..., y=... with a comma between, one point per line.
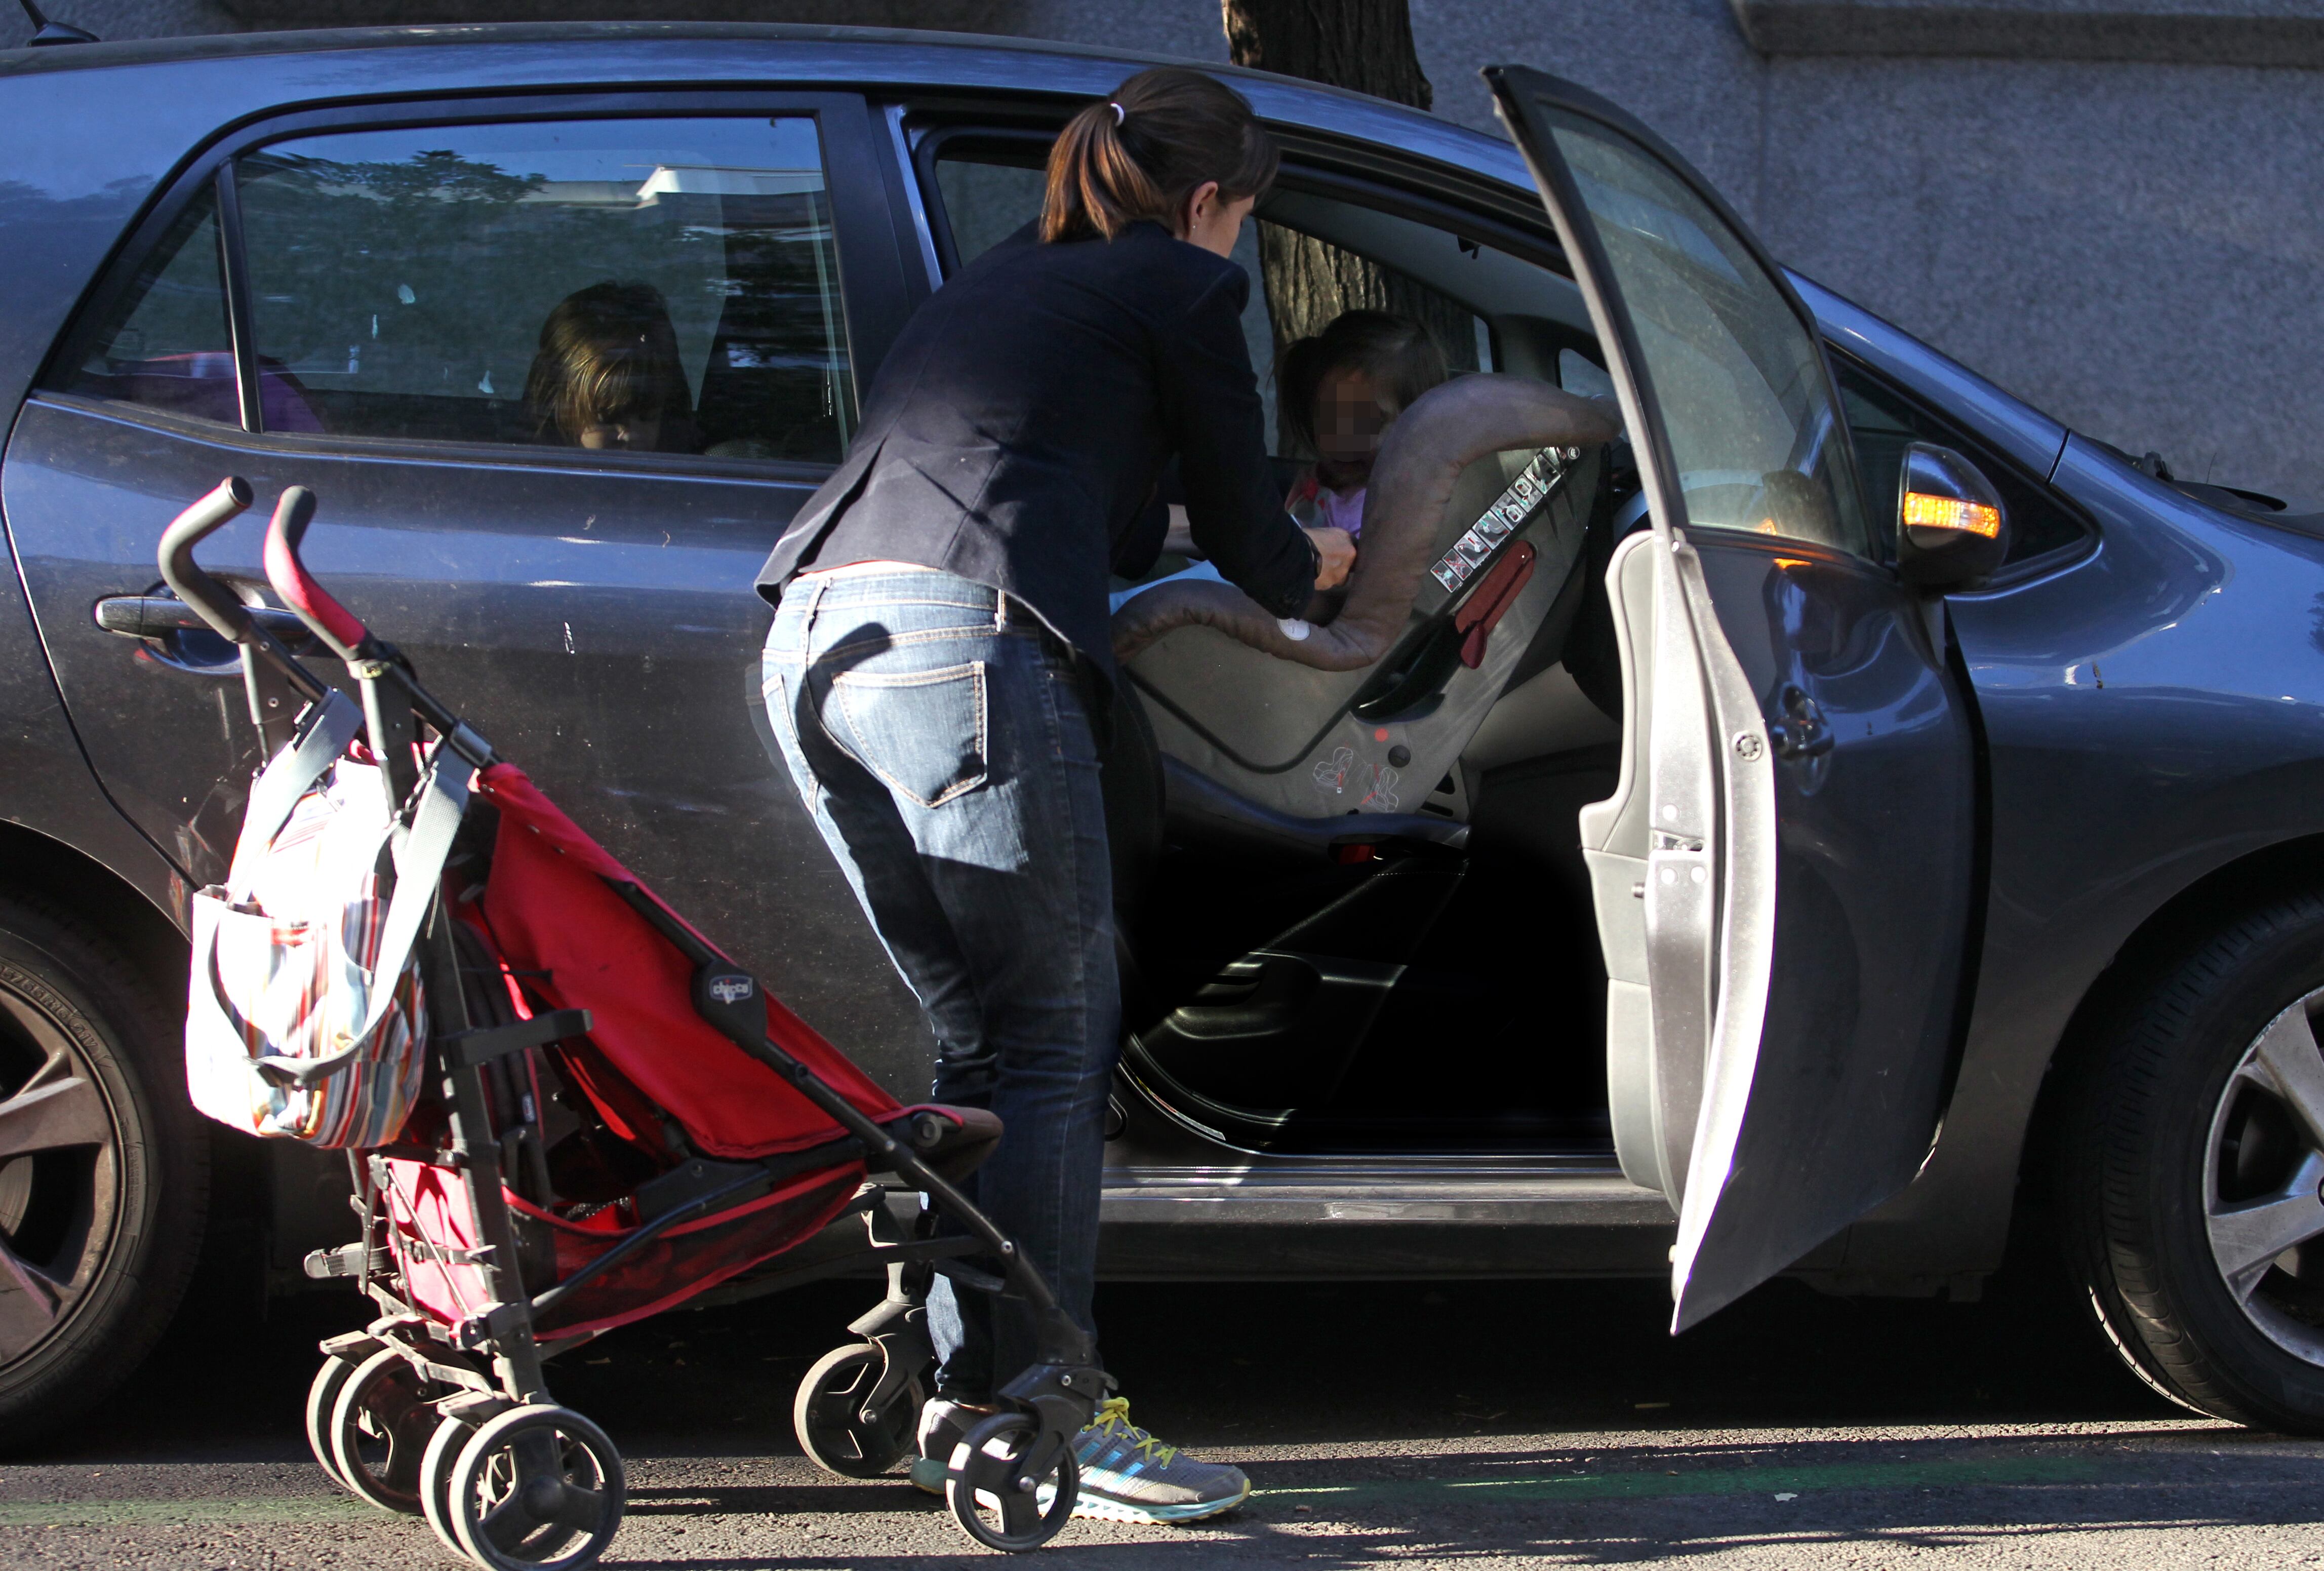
x=943, y=1425
x=1127, y=1475
x=1130, y=1476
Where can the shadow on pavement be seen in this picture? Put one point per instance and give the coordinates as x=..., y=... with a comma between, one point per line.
x=1240, y=1364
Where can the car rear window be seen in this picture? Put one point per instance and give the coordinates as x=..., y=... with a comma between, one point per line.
x=658, y=285
x=654, y=285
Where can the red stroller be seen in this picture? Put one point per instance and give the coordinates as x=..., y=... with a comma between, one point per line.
x=589, y=1115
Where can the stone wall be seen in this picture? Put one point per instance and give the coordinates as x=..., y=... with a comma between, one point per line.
x=2110, y=207
x=2135, y=246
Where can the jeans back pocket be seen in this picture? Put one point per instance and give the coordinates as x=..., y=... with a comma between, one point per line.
x=924, y=733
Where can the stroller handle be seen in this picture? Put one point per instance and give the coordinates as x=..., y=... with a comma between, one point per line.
x=332, y=622
x=212, y=601
x=367, y=658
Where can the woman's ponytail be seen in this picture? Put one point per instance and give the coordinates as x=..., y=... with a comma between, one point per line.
x=1142, y=151
x=1095, y=186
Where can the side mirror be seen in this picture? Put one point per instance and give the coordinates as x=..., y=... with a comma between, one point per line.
x=1951, y=532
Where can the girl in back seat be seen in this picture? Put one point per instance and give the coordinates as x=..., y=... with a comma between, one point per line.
x=608, y=374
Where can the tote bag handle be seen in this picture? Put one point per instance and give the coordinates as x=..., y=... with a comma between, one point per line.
x=420, y=855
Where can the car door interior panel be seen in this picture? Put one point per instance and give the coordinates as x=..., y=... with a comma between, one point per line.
x=1808, y=758
x=1652, y=1125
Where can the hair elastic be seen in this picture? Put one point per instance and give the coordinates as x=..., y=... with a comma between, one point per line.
x=1118, y=116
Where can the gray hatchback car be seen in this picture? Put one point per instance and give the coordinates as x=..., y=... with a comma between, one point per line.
x=1870, y=804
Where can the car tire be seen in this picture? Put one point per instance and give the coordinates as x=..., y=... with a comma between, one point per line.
x=104, y=1174
x=2184, y=1161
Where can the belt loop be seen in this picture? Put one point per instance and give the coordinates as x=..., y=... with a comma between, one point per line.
x=1000, y=612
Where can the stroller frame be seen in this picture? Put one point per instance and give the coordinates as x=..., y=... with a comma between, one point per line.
x=456, y=1421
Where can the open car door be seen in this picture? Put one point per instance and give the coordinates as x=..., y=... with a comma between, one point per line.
x=1783, y=876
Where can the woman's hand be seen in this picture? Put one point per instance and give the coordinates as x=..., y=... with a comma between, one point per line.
x=1336, y=555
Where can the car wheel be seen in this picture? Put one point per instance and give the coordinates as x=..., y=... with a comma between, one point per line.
x=104, y=1177
x=2192, y=1173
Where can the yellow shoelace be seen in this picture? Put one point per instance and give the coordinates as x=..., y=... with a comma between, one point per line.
x=1113, y=1419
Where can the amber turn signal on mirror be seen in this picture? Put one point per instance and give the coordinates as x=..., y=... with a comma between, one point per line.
x=1922, y=511
x=1951, y=530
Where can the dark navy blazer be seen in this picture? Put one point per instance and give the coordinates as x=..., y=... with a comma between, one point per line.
x=1015, y=433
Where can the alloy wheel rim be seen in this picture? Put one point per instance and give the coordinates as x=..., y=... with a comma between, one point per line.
x=60, y=1187
x=2263, y=1182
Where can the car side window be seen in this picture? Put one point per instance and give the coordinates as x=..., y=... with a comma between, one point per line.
x=985, y=203
x=1882, y=420
x=167, y=347
x=1324, y=254
x=648, y=286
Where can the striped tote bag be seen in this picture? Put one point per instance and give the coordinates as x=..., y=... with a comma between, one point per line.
x=306, y=1019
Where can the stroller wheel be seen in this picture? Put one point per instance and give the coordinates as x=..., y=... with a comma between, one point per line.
x=380, y=1425
x=322, y=1402
x=994, y=1499
x=829, y=1417
x=538, y=1487
x=435, y=1465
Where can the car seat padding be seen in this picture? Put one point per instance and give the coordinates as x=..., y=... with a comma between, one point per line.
x=1420, y=462
x=1300, y=727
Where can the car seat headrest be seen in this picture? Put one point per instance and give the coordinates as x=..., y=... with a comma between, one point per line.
x=1445, y=430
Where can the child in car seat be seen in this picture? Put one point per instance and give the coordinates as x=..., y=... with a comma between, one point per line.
x=1341, y=390
x=1344, y=388
x=607, y=373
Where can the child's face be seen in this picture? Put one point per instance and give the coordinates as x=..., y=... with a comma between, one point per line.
x=636, y=432
x=1349, y=421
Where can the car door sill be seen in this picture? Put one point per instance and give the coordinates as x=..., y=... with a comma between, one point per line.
x=1422, y=1219
x=1501, y=1192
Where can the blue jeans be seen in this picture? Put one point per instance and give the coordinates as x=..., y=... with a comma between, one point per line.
x=939, y=737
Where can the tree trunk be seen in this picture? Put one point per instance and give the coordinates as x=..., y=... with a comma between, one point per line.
x=1365, y=45
x=1309, y=282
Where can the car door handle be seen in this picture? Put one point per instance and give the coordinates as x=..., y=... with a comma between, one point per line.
x=160, y=615
x=175, y=635
x=1798, y=729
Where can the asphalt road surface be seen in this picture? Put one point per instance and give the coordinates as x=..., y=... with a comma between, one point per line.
x=1460, y=1425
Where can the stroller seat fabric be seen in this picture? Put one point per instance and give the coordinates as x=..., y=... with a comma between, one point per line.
x=434, y=1237
x=676, y=1118
x=554, y=914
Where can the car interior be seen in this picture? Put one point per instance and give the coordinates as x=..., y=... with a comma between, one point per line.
x=1327, y=877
